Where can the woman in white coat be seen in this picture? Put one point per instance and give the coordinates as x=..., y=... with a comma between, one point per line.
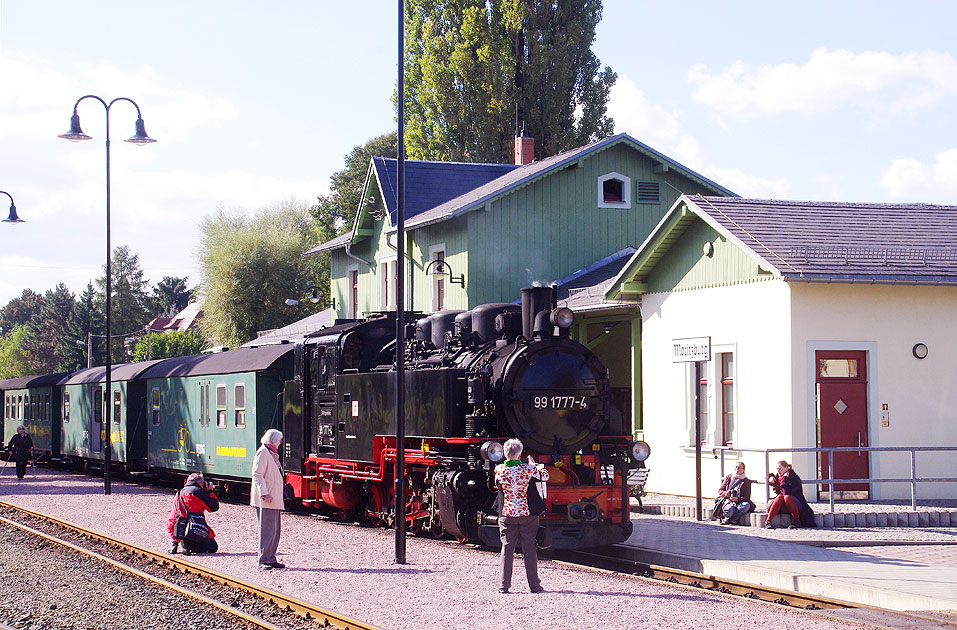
x=266, y=496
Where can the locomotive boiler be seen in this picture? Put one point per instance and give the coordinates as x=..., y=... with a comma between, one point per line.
x=472, y=380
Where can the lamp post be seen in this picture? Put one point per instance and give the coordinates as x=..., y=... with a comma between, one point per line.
x=76, y=134
x=89, y=348
x=311, y=294
x=13, y=218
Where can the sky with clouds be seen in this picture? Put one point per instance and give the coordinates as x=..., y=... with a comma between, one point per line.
x=252, y=103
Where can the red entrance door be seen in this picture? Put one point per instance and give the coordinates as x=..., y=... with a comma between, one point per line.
x=842, y=416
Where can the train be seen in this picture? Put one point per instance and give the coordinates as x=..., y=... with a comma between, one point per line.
x=472, y=379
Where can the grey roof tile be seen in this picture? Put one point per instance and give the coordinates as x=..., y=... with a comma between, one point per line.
x=836, y=241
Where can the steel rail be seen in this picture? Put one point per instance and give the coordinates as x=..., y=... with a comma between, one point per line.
x=302, y=608
x=768, y=594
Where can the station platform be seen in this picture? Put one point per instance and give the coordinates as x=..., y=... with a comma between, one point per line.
x=911, y=568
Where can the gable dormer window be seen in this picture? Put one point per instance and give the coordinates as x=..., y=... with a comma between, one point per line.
x=614, y=191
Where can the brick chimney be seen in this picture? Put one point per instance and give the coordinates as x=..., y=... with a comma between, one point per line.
x=524, y=148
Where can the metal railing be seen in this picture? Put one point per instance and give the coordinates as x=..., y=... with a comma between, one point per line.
x=913, y=480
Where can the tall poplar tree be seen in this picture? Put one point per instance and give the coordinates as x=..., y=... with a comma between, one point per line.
x=478, y=71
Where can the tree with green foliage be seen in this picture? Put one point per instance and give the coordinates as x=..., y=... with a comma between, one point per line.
x=84, y=319
x=130, y=303
x=170, y=296
x=13, y=358
x=165, y=345
x=333, y=213
x=20, y=310
x=48, y=330
x=477, y=71
x=249, y=266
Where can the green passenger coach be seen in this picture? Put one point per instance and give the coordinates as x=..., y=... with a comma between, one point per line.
x=34, y=402
x=207, y=412
x=84, y=426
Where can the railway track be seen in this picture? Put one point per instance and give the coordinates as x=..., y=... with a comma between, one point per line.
x=138, y=555
x=849, y=611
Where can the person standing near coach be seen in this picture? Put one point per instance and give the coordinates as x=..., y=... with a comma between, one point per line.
x=515, y=520
x=20, y=450
x=266, y=495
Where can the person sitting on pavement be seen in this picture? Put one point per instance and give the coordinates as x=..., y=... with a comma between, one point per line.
x=20, y=450
x=790, y=495
x=196, y=498
x=736, y=489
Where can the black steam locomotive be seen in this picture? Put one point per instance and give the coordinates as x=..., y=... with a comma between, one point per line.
x=473, y=379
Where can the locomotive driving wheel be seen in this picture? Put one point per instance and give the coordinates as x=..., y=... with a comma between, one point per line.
x=378, y=507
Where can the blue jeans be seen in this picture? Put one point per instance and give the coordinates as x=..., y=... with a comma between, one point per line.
x=733, y=510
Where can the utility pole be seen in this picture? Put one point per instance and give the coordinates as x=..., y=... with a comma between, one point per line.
x=89, y=349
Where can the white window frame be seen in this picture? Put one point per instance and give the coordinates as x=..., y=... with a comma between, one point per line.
x=712, y=403
x=434, y=280
x=625, y=202
x=221, y=407
x=240, y=410
x=353, y=297
x=387, y=268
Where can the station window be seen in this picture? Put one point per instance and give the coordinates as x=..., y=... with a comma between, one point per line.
x=239, y=395
x=614, y=191
x=354, y=293
x=438, y=278
x=117, y=406
x=155, y=404
x=703, y=415
x=727, y=398
x=220, y=405
x=716, y=415
x=387, y=283
x=66, y=406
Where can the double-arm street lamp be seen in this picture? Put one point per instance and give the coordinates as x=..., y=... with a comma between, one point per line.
x=13, y=218
x=76, y=134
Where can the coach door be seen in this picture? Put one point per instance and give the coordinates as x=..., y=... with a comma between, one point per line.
x=201, y=428
x=842, y=418
x=96, y=421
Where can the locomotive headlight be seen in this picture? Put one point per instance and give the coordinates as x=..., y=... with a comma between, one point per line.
x=562, y=317
x=492, y=452
x=639, y=451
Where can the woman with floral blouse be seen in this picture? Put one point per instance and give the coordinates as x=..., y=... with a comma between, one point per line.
x=515, y=521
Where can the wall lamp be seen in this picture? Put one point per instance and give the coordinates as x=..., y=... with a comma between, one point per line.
x=442, y=268
x=13, y=218
x=312, y=295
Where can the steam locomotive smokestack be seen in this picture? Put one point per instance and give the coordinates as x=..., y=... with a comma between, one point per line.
x=534, y=300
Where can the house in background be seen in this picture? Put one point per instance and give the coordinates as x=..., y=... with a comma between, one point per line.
x=831, y=324
x=186, y=319
x=479, y=233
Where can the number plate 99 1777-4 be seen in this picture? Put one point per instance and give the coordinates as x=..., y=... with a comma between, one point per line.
x=559, y=402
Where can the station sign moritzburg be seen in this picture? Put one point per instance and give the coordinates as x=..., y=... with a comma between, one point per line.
x=691, y=349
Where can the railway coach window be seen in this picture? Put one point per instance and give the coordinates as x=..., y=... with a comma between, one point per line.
x=117, y=406
x=239, y=395
x=46, y=407
x=155, y=395
x=220, y=405
x=66, y=406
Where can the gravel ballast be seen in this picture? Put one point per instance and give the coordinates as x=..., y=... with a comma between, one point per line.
x=350, y=569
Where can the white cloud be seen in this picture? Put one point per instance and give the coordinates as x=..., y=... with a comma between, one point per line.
x=643, y=120
x=157, y=205
x=912, y=180
x=880, y=81
x=660, y=129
